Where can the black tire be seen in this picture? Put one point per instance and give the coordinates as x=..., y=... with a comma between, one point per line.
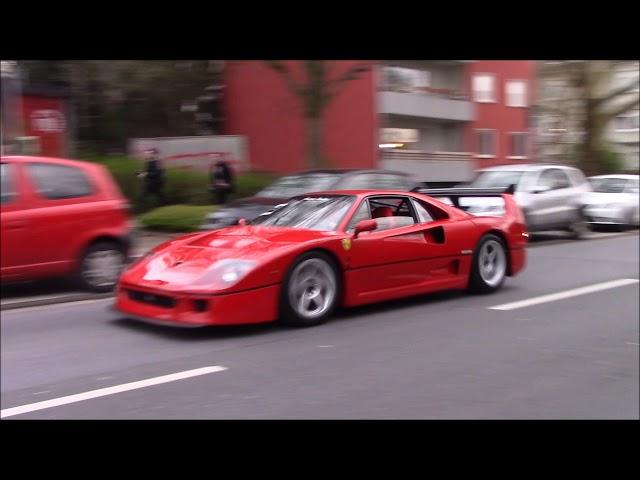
x=83, y=277
x=477, y=284
x=289, y=314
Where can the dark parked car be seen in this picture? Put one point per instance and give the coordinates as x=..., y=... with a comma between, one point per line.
x=306, y=182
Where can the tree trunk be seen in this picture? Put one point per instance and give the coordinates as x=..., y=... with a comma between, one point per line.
x=314, y=135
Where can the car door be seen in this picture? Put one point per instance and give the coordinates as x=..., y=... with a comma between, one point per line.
x=58, y=216
x=13, y=224
x=405, y=255
x=549, y=207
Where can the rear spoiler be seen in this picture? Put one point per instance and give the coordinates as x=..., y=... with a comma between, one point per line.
x=454, y=194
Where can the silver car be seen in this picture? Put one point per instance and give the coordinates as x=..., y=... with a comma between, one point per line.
x=550, y=196
x=614, y=201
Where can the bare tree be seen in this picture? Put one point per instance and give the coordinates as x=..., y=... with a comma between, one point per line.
x=315, y=95
x=590, y=87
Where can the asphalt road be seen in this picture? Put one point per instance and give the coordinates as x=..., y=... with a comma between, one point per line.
x=444, y=356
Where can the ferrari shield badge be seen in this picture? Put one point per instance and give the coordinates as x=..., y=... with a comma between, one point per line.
x=346, y=244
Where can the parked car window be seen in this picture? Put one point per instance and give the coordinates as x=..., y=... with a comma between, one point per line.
x=360, y=181
x=577, y=177
x=633, y=186
x=497, y=179
x=390, y=182
x=292, y=185
x=59, y=181
x=7, y=188
x=609, y=185
x=554, y=178
x=562, y=180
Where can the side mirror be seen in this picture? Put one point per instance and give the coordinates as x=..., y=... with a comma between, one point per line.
x=364, y=226
x=540, y=189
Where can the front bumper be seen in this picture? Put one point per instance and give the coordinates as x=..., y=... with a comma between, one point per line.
x=166, y=307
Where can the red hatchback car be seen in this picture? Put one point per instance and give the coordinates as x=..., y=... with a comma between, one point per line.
x=62, y=218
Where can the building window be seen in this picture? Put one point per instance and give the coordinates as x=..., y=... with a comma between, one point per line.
x=484, y=88
x=518, y=145
x=405, y=79
x=486, y=143
x=628, y=122
x=516, y=93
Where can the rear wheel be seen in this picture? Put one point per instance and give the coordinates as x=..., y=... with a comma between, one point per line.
x=489, y=267
x=310, y=291
x=100, y=267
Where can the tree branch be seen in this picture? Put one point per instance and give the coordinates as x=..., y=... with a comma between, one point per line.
x=619, y=91
x=351, y=74
x=628, y=105
x=286, y=74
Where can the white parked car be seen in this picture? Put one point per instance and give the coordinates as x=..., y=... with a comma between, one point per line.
x=615, y=201
x=550, y=196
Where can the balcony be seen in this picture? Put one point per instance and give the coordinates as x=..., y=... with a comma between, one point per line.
x=430, y=166
x=425, y=102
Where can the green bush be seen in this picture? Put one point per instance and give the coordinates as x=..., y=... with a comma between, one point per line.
x=609, y=161
x=176, y=218
x=181, y=187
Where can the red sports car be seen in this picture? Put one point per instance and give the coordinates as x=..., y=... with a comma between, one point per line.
x=320, y=251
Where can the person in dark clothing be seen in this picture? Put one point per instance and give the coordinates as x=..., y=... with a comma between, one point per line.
x=153, y=176
x=221, y=182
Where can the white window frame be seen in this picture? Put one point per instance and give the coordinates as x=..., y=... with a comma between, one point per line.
x=631, y=114
x=526, y=145
x=494, y=88
x=507, y=97
x=495, y=143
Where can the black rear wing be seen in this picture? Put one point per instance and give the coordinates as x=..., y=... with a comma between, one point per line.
x=454, y=194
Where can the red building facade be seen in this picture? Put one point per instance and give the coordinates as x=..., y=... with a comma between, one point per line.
x=452, y=117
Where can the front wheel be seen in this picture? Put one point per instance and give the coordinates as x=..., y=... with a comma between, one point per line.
x=489, y=267
x=100, y=267
x=310, y=291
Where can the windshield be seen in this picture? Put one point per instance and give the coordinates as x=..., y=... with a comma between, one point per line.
x=313, y=213
x=497, y=179
x=293, y=185
x=608, y=185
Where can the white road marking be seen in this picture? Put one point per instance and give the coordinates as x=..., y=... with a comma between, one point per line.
x=632, y=343
x=566, y=294
x=101, y=392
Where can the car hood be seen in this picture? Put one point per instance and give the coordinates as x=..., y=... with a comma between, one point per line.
x=195, y=264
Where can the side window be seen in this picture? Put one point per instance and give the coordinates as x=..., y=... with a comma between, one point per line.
x=59, y=181
x=423, y=214
x=7, y=184
x=562, y=180
x=391, y=212
x=363, y=213
x=546, y=179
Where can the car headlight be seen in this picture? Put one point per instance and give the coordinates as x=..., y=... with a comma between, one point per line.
x=225, y=273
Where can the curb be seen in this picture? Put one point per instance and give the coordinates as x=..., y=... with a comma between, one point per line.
x=37, y=302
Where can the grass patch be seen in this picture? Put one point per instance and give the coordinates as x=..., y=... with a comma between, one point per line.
x=176, y=218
